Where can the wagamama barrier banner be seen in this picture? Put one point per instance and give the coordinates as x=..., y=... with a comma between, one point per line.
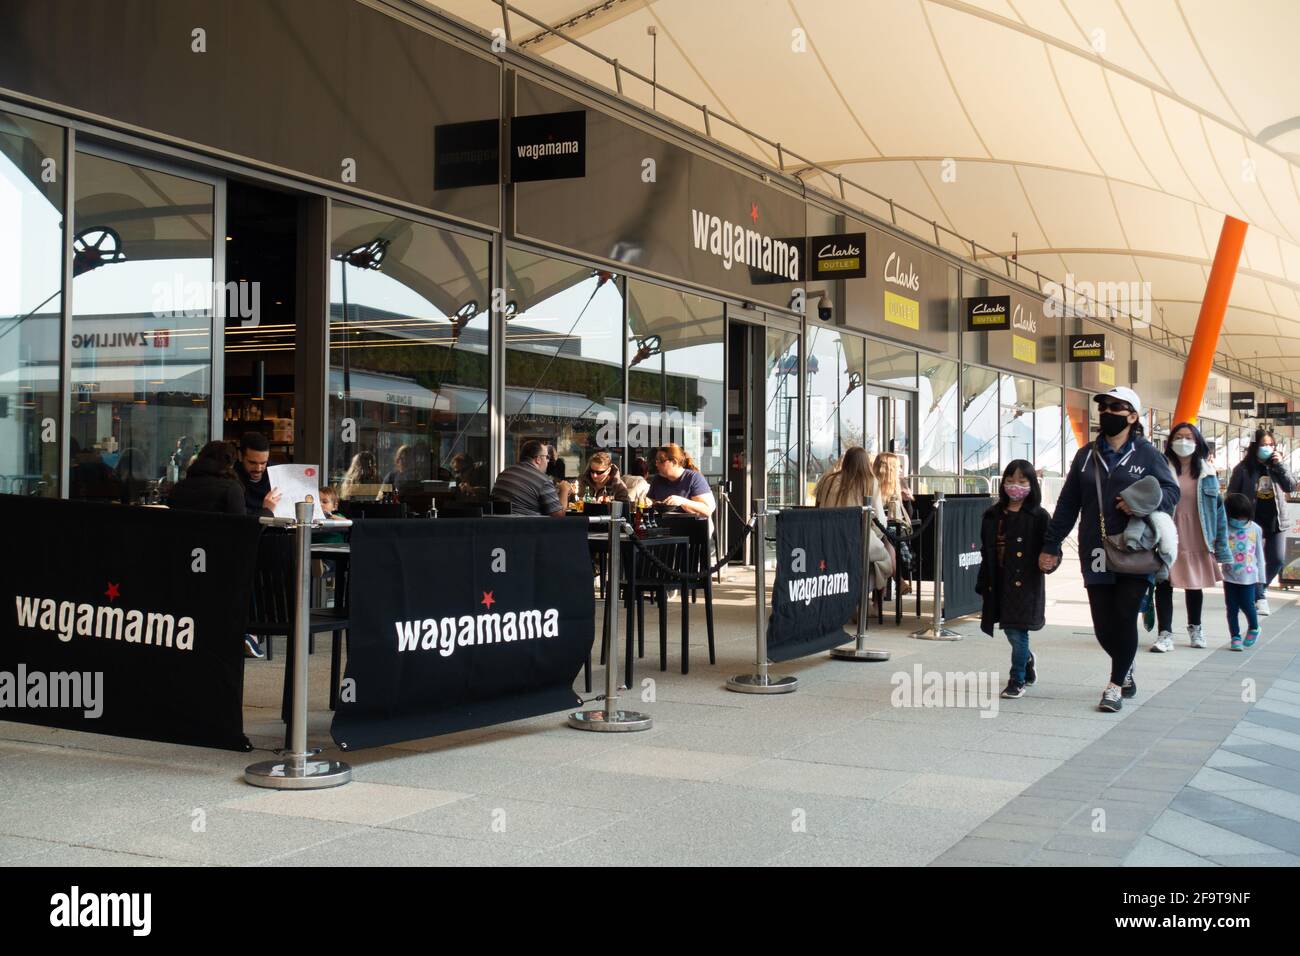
x=818, y=579
x=125, y=621
x=462, y=623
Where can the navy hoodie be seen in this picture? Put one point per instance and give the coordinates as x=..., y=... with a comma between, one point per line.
x=1078, y=501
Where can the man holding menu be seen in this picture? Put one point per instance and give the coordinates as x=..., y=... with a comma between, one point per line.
x=254, y=453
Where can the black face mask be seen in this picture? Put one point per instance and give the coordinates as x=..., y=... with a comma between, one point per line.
x=1112, y=424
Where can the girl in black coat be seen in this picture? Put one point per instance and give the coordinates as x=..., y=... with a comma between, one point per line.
x=1013, y=587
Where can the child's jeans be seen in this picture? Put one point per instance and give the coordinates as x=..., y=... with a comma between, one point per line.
x=1240, y=597
x=1019, y=652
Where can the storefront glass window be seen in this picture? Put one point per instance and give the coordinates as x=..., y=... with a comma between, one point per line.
x=564, y=359
x=141, y=328
x=890, y=365
x=1078, y=423
x=31, y=284
x=408, y=377
x=936, y=452
x=782, y=418
x=979, y=444
x=675, y=357
x=1047, y=429
x=1016, y=409
x=836, y=371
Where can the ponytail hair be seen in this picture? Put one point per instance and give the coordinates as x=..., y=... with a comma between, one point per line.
x=675, y=453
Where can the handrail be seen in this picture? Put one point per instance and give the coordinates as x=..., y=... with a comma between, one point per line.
x=784, y=168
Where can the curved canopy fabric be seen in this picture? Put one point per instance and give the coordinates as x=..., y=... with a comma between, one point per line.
x=1111, y=135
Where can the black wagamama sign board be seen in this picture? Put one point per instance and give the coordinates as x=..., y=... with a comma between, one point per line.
x=658, y=206
x=460, y=624
x=1242, y=401
x=818, y=580
x=988, y=313
x=125, y=621
x=962, y=515
x=1088, y=348
x=548, y=146
x=842, y=256
x=466, y=154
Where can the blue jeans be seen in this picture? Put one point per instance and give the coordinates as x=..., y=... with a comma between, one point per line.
x=1019, y=652
x=1240, y=597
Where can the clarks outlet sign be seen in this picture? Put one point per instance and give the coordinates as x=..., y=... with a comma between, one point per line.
x=837, y=257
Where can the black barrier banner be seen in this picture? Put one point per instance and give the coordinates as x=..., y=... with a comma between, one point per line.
x=461, y=623
x=125, y=621
x=961, y=554
x=818, y=578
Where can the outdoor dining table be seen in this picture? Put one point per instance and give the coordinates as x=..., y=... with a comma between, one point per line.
x=662, y=546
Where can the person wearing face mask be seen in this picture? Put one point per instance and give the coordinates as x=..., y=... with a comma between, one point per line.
x=1121, y=456
x=1202, y=535
x=1262, y=477
x=1010, y=579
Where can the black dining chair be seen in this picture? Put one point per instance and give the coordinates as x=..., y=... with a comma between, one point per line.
x=698, y=561
x=655, y=583
x=270, y=613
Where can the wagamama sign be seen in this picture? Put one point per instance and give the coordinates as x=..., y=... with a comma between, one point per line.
x=736, y=244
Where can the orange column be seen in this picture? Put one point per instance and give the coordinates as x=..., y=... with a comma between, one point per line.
x=1201, y=356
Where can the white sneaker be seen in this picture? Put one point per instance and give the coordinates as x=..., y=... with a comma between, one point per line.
x=1164, y=643
x=1261, y=607
x=1195, y=633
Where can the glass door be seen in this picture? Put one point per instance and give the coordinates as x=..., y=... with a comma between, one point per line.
x=781, y=418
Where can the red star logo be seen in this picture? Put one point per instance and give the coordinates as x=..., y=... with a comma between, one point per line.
x=113, y=592
x=753, y=211
x=821, y=565
x=488, y=600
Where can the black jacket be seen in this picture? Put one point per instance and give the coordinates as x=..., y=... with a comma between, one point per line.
x=254, y=492
x=208, y=493
x=1013, y=589
x=1245, y=477
x=1078, y=498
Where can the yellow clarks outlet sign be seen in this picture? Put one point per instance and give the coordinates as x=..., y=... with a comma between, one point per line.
x=903, y=311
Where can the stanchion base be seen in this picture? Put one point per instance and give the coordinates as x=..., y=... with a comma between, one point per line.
x=610, y=722
x=853, y=654
x=758, y=684
x=933, y=633
x=315, y=775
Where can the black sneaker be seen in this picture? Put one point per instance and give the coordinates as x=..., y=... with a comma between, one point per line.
x=1031, y=671
x=1014, y=689
x=1130, y=687
x=1111, y=701
x=253, y=648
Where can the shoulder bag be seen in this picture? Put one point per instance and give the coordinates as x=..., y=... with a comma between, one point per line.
x=1119, y=559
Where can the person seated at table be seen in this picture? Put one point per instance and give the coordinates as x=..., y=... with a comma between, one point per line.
x=851, y=483
x=526, y=486
x=402, y=471
x=556, y=471
x=602, y=479
x=679, y=483
x=254, y=453
x=210, y=483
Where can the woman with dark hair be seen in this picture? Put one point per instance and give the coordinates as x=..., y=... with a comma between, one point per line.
x=210, y=483
x=1010, y=579
x=1093, y=495
x=1262, y=477
x=1202, y=535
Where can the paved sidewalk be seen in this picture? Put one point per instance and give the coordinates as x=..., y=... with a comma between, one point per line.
x=848, y=770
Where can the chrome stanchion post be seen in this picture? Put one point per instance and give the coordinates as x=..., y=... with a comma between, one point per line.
x=761, y=682
x=609, y=718
x=936, y=631
x=297, y=771
x=860, y=651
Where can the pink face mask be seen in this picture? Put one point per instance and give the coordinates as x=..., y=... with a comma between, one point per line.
x=1017, y=492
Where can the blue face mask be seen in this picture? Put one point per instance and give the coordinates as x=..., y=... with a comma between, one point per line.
x=1265, y=452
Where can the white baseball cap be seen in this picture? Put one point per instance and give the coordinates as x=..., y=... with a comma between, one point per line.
x=1124, y=395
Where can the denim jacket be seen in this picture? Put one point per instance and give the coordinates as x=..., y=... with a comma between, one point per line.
x=1214, y=520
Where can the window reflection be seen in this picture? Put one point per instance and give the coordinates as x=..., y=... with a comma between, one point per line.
x=836, y=372
x=31, y=238
x=675, y=357
x=1078, y=427
x=409, y=371
x=564, y=359
x=141, y=328
x=1047, y=429
x=980, y=421
x=782, y=418
x=1016, y=403
x=937, y=449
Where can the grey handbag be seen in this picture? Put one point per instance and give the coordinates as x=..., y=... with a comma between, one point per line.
x=1119, y=559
